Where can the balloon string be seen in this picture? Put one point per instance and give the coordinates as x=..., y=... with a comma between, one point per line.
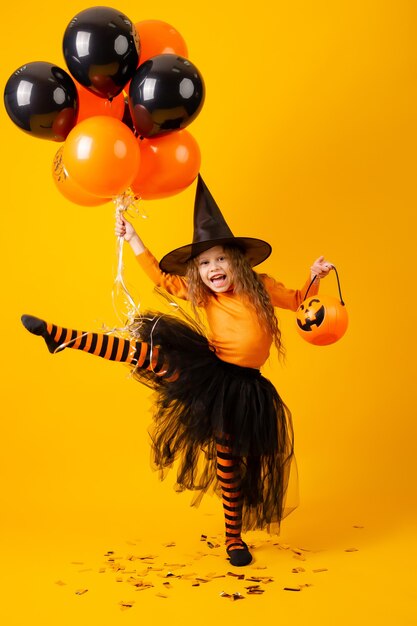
x=123, y=202
x=133, y=309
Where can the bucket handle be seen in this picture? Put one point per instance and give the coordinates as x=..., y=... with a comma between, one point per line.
x=338, y=285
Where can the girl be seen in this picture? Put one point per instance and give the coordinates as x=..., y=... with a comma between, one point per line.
x=216, y=415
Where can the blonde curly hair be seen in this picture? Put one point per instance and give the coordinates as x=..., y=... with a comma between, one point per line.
x=246, y=283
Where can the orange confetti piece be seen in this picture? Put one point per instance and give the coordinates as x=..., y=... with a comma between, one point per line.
x=139, y=583
x=260, y=579
x=232, y=596
x=254, y=589
x=299, y=557
x=282, y=546
x=126, y=605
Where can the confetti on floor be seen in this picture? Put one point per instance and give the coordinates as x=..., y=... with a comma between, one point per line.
x=141, y=585
x=232, y=596
x=299, y=557
x=81, y=592
x=254, y=590
x=154, y=572
x=126, y=605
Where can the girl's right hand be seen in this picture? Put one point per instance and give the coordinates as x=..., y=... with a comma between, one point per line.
x=124, y=228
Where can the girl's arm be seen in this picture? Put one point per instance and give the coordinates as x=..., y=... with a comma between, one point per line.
x=126, y=230
x=292, y=298
x=175, y=285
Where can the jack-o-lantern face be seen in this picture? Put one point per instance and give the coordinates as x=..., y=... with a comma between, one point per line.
x=310, y=314
x=321, y=320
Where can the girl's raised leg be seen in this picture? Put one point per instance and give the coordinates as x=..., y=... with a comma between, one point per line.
x=136, y=353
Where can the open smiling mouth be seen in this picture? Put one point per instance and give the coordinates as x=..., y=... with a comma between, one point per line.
x=218, y=280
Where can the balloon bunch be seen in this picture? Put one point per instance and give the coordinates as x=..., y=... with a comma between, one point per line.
x=121, y=109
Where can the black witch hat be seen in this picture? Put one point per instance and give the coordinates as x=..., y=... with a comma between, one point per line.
x=210, y=229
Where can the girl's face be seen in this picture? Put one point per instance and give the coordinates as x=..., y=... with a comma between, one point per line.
x=215, y=271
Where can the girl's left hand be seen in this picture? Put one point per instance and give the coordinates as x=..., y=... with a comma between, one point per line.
x=320, y=268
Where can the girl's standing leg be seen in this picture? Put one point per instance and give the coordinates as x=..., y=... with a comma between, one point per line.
x=228, y=474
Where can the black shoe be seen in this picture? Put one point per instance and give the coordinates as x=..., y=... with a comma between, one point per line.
x=239, y=556
x=38, y=327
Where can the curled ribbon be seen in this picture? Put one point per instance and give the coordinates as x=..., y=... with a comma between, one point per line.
x=124, y=202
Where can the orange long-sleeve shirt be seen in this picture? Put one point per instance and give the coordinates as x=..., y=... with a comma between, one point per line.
x=235, y=331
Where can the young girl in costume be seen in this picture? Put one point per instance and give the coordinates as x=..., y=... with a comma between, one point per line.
x=216, y=415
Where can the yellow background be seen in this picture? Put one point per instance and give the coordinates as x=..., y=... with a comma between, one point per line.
x=308, y=138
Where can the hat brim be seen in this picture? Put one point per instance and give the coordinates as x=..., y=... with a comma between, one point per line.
x=175, y=262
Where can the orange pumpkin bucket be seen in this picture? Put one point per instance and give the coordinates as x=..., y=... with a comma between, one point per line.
x=322, y=320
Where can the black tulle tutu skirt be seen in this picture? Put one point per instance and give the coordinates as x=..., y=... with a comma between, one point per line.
x=211, y=399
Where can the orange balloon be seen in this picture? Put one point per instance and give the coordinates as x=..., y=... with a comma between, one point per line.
x=102, y=155
x=321, y=320
x=169, y=163
x=90, y=104
x=68, y=188
x=157, y=37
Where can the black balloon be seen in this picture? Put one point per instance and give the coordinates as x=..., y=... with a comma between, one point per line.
x=166, y=94
x=101, y=49
x=42, y=100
